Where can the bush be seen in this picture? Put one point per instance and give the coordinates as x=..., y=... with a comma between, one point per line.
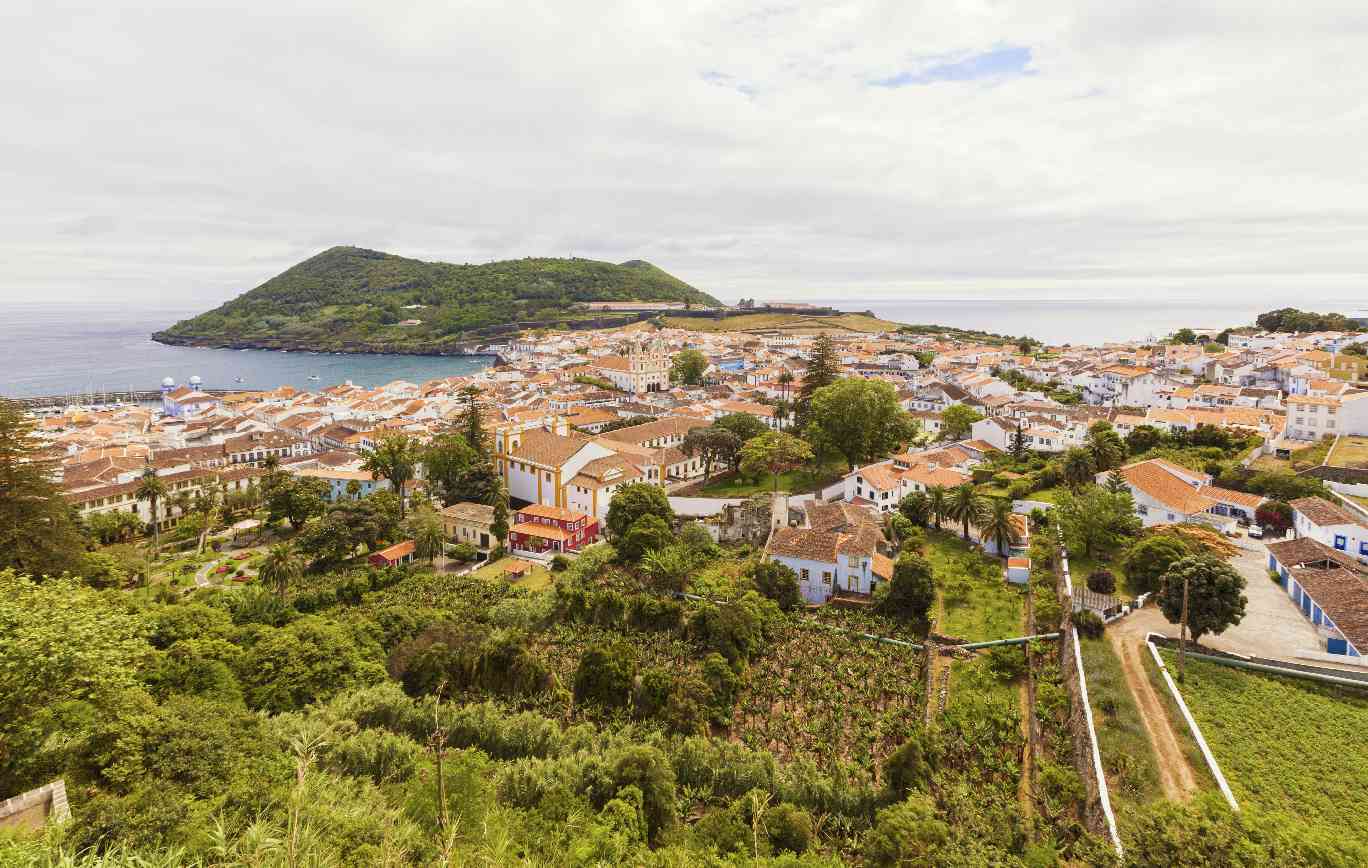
x=789, y=828
x=559, y=564
x=1089, y=625
x=1102, y=582
x=1007, y=662
x=605, y=674
x=463, y=552
x=777, y=582
x=909, y=768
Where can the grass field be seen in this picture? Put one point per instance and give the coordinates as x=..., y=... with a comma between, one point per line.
x=1349, y=452
x=1285, y=744
x=790, y=322
x=978, y=603
x=538, y=579
x=798, y=481
x=1127, y=757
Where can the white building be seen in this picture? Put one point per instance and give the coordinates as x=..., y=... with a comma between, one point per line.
x=1331, y=525
x=643, y=369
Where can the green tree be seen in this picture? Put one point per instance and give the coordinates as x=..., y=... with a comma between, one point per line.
x=633, y=501
x=446, y=462
x=744, y=425
x=713, y=445
x=912, y=590
x=473, y=424
x=687, y=367
x=327, y=540
x=957, y=421
x=1093, y=520
x=907, y=833
x=667, y=568
x=775, y=581
x=498, y=527
x=1185, y=336
x=967, y=506
x=296, y=499
x=1077, y=466
x=308, y=660
x=354, y=489
x=823, y=369
x=1116, y=483
x=1143, y=438
x=1149, y=558
x=999, y=525
x=152, y=489
x=429, y=540
x=1017, y=448
x=938, y=504
x=280, y=568
x=861, y=418
x=1104, y=445
x=647, y=534
x=605, y=674
x=38, y=534
x=916, y=508
x=773, y=452
x=395, y=458
x=1216, y=597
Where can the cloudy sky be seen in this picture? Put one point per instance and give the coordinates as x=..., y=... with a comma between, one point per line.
x=1123, y=148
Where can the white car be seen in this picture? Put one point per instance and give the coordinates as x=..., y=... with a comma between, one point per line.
x=1255, y=532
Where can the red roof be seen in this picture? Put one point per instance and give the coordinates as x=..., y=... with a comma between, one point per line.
x=396, y=551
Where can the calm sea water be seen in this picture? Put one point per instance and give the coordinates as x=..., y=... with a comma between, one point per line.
x=75, y=349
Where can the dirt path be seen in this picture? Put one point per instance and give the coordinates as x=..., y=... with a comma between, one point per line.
x=1024, y=795
x=1175, y=773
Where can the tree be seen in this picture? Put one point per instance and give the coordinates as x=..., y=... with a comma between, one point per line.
x=861, y=418
x=1077, y=466
x=447, y=460
x=499, y=525
x=912, y=590
x=712, y=444
x=957, y=421
x=296, y=499
x=1017, y=448
x=327, y=540
x=1104, y=445
x=353, y=489
x=429, y=539
x=773, y=452
x=1215, y=592
x=472, y=423
x=776, y=581
x=782, y=411
x=280, y=568
x=605, y=674
x=633, y=501
x=1116, y=482
x=650, y=533
x=744, y=425
x=1185, y=336
x=305, y=661
x=1101, y=582
x=999, y=525
x=667, y=568
x=822, y=370
x=153, y=490
x=1143, y=438
x=916, y=508
x=938, y=503
x=394, y=458
x=966, y=506
x=687, y=367
x=1149, y=558
x=38, y=533
x=1094, y=520
x=1274, y=515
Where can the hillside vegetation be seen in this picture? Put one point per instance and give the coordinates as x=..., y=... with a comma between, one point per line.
x=351, y=298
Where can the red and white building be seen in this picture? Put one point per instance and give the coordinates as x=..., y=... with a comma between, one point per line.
x=552, y=530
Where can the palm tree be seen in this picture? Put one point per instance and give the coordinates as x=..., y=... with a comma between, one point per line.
x=1078, y=467
x=916, y=508
x=354, y=489
x=785, y=379
x=280, y=568
x=999, y=526
x=153, y=490
x=182, y=501
x=781, y=412
x=966, y=506
x=394, y=458
x=271, y=463
x=428, y=539
x=938, y=500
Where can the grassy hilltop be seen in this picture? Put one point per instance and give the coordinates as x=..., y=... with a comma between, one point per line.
x=352, y=298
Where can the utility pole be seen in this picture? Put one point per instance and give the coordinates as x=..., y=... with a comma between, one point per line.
x=1182, y=632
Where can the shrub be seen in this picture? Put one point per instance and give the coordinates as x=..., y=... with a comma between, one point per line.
x=1102, y=582
x=1089, y=624
x=1007, y=662
x=789, y=828
x=909, y=768
x=463, y=552
x=605, y=674
x=777, y=582
x=559, y=564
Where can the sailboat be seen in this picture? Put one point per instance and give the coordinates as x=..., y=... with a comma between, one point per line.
x=313, y=376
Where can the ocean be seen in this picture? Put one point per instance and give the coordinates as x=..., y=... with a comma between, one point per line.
x=65, y=349
x=59, y=349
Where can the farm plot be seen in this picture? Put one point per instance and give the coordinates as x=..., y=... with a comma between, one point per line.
x=979, y=604
x=1285, y=744
x=819, y=693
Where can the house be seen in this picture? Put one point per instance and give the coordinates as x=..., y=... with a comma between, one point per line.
x=552, y=530
x=1330, y=525
x=1311, y=418
x=186, y=401
x=836, y=553
x=469, y=523
x=339, y=481
x=645, y=368
x=1330, y=589
x=399, y=553
x=535, y=462
x=1168, y=493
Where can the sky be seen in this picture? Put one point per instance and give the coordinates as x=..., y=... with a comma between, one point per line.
x=185, y=152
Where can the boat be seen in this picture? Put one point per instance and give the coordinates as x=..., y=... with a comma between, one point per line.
x=313, y=376
x=238, y=380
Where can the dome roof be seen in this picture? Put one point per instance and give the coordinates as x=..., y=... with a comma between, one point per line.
x=167, y=381
x=195, y=380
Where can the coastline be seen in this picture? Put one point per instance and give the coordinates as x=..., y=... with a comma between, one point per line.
x=466, y=349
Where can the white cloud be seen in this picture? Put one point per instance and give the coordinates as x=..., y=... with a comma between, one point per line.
x=160, y=150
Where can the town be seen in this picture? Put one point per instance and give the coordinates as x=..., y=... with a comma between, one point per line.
x=930, y=516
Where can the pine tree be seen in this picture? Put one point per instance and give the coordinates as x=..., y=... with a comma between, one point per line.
x=823, y=369
x=1018, y=444
x=472, y=423
x=38, y=534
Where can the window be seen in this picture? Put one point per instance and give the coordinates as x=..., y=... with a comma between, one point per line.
x=826, y=577
x=804, y=575
x=1363, y=549
x=1340, y=542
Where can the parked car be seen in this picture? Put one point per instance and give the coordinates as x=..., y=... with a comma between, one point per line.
x=1255, y=531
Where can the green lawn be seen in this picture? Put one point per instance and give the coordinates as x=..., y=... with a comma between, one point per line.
x=539, y=579
x=1283, y=743
x=1350, y=452
x=978, y=603
x=799, y=481
x=1081, y=567
x=1127, y=756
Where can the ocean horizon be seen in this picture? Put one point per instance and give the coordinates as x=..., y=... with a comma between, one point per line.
x=66, y=348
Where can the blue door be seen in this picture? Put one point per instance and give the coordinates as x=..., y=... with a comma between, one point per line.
x=1306, y=604
x=1337, y=646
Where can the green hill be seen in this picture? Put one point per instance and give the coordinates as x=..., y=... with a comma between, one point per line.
x=349, y=298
